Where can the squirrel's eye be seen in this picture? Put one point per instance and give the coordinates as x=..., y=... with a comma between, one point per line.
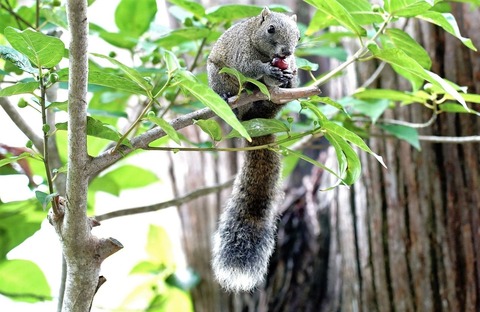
x=271, y=29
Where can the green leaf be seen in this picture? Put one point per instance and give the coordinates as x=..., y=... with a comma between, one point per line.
x=23, y=280
x=348, y=160
x=107, y=80
x=19, y=88
x=456, y=108
x=191, y=6
x=306, y=64
x=259, y=127
x=98, y=129
x=399, y=58
x=171, y=61
x=18, y=221
x=159, y=247
x=407, y=44
x=388, y=94
x=13, y=159
x=290, y=152
x=334, y=10
x=449, y=24
x=18, y=59
x=105, y=184
x=371, y=108
x=133, y=17
x=405, y=133
x=120, y=40
x=408, y=8
x=348, y=135
x=131, y=73
x=232, y=12
x=146, y=267
x=329, y=101
x=129, y=177
x=242, y=79
x=210, y=127
x=208, y=97
x=42, y=50
x=44, y=198
x=169, y=130
x=176, y=37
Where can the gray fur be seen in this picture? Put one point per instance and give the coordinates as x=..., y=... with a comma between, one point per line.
x=245, y=238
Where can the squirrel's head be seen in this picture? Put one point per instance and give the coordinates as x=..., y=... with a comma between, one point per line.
x=277, y=34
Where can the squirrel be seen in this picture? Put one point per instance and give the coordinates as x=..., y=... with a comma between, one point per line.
x=262, y=48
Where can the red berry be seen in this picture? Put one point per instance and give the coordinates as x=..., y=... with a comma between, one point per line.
x=280, y=63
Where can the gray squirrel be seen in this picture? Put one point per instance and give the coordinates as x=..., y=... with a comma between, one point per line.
x=262, y=48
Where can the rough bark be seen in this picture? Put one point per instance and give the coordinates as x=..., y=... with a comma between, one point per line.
x=415, y=225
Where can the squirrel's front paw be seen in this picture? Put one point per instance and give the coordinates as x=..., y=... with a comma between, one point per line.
x=280, y=77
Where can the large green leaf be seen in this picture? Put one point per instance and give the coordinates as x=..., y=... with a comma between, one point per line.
x=348, y=135
x=18, y=221
x=334, y=10
x=122, y=178
x=19, y=88
x=212, y=100
x=42, y=50
x=210, y=127
x=133, y=17
x=106, y=79
x=408, y=8
x=349, y=163
x=131, y=73
x=400, y=59
x=448, y=23
x=388, y=94
x=191, y=6
x=232, y=12
x=407, y=44
x=178, y=36
x=22, y=280
x=162, y=123
x=98, y=129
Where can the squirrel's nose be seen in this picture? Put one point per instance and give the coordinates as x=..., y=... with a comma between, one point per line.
x=284, y=52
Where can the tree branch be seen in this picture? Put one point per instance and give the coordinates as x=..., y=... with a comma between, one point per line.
x=277, y=95
x=174, y=202
x=21, y=123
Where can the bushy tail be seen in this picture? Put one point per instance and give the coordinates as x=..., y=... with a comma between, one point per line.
x=245, y=238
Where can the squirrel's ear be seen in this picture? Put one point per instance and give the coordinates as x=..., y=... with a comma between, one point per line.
x=265, y=12
x=294, y=17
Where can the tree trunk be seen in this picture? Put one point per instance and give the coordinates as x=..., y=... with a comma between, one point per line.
x=408, y=237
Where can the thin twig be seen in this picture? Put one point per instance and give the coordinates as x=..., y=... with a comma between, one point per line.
x=389, y=121
x=448, y=139
x=18, y=18
x=174, y=202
